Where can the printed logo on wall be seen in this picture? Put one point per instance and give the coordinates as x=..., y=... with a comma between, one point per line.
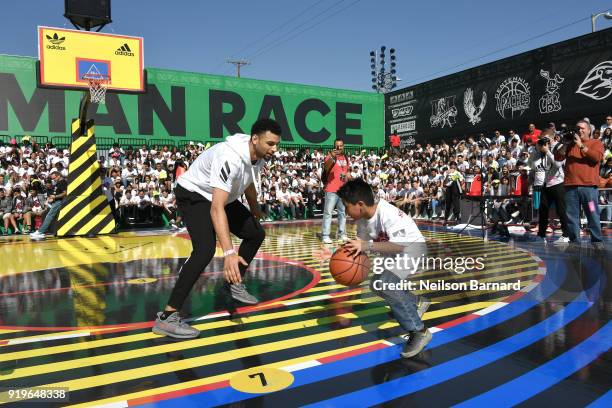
x=407, y=142
x=403, y=127
x=406, y=96
x=473, y=113
x=403, y=111
x=598, y=82
x=443, y=112
x=513, y=94
x=550, y=101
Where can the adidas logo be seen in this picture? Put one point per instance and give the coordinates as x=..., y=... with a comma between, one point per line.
x=124, y=50
x=56, y=41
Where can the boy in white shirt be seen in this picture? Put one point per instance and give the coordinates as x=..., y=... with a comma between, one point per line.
x=383, y=228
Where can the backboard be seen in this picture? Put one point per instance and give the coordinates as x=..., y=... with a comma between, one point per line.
x=66, y=56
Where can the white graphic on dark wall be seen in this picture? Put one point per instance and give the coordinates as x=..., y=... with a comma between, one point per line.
x=513, y=95
x=403, y=111
x=403, y=127
x=473, y=113
x=443, y=112
x=598, y=82
x=408, y=142
x=551, y=100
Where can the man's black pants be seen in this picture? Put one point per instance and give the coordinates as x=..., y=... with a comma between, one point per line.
x=554, y=194
x=451, y=201
x=195, y=210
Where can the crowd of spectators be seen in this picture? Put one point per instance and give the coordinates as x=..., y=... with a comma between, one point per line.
x=425, y=179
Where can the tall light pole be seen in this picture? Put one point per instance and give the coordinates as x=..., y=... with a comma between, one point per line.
x=383, y=80
x=238, y=64
x=606, y=14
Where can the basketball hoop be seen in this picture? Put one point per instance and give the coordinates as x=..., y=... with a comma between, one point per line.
x=98, y=83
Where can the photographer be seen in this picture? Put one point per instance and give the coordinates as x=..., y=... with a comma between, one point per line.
x=548, y=181
x=335, y=174
x=454, y=184
x=582, y=156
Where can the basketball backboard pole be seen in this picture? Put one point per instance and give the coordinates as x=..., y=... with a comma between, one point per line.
x=82, y=17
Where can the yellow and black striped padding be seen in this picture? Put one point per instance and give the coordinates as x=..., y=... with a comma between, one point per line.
x=86, y=210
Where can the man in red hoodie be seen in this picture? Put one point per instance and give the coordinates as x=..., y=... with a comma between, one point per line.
x=582, y=160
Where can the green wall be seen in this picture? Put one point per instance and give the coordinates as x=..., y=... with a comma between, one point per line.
x=185, y=106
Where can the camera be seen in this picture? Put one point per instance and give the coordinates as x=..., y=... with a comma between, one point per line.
x=567, y=135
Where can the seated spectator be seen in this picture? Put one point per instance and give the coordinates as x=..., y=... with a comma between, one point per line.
x=6, y=211
x=18, y=207
x=284, y=199
x=531, y=137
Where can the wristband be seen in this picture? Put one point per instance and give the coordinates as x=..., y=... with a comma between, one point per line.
x=229, y=252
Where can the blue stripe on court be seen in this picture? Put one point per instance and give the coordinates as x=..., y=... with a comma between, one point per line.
x=409, y=384
x=548, y=374
x=330, y=370
x=602, y=402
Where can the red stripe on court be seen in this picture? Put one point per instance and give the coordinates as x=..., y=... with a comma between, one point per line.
x=460, y=320
x=514, y=297
x=178, y=393
x=352, y=353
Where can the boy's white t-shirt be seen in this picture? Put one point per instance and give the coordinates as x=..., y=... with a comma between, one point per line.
x=390, y=224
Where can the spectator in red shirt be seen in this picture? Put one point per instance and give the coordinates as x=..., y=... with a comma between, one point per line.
x=531, y=137
x=335, y=174
x=394, y=140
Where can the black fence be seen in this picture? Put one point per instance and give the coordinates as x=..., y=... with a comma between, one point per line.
x=106, y=143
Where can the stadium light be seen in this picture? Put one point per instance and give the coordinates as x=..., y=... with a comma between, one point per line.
x=383, y=79
x=606, y=14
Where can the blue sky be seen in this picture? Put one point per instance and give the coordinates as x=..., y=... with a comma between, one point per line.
x=320, y=42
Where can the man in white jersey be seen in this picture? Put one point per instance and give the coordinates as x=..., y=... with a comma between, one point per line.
x=386, y=229
x=208, y=199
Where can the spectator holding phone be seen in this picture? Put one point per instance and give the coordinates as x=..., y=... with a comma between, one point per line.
x=335, y=175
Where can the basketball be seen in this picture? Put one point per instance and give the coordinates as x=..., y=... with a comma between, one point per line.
x=349, y=270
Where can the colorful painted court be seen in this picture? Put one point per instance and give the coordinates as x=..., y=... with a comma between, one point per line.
x=77, y=314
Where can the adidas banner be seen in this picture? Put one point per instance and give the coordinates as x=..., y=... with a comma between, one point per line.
x=559, y=83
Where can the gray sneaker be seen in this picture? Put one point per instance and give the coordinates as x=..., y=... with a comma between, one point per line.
x=423, y=305
x=175, y=327
x=239, y=293
x=417, y=342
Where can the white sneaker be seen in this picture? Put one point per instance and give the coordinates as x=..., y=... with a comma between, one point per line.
x=562, y=241
x=37, y=235
x=345, y=238
x=327, y=240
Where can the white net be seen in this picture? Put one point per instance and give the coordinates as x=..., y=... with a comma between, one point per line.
x=97, y=87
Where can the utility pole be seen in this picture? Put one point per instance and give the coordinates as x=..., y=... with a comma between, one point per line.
x=238, y=64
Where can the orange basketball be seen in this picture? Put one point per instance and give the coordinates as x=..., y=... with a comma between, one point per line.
x=349, y=270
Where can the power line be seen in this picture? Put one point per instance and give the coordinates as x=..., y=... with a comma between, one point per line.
x=304, y=30
x=497, y=51
x=275, y=30
x=281, y=37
